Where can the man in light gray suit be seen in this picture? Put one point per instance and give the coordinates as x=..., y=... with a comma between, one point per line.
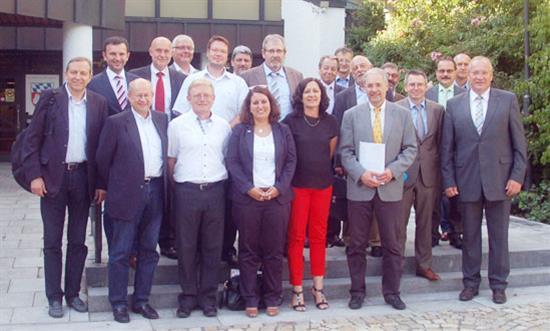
x=483, y=162
x=376, y=194
x=423, y=183
x=280, y=80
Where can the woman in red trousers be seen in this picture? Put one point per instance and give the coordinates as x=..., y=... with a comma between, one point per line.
x=315, y=133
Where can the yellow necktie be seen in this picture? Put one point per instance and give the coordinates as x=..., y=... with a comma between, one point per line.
x=377, y=129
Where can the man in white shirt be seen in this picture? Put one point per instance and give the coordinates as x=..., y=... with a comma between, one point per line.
x=183, y=49
x=328, y=69
x=230, y=88
x=197, y=143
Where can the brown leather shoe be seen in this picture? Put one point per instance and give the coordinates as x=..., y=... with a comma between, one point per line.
x=499, y=296
x=468, y=293
x=429, y=274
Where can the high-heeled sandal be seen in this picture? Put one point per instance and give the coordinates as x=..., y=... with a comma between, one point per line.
x=251, y=312
x=322, y=303
x=299, y=303
x=272, y=311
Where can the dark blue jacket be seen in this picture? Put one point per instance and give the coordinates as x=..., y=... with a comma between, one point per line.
x=100, y=84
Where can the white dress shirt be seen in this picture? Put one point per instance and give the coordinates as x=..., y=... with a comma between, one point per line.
x=230, y=91
x=484, y=102
x=76, y=146
x=151, y=145
x=167, y=87
x=330, y=93
x=382, y=115
x=192, y=69
x=263, y=165
x=198, y=147
x=112, y=79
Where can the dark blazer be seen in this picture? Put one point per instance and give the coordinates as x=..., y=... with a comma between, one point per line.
x=120, y=162
x=483, y=164
x=433, y=92
x=256, y=76
x=427, y=161
x=176, y=80
x=239, y=162
x=48, y=136
x=344, y=101
x=100, y=84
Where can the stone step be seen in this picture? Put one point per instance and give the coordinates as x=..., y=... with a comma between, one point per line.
x=165, y=296
x=446, y=259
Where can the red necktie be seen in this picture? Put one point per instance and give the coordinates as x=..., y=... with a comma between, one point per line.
x=159, y=93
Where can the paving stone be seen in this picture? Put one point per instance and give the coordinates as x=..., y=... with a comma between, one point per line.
x=5, y=315
x=26, y=285
x=36, y=315
x=36, y=261
x=12, y=300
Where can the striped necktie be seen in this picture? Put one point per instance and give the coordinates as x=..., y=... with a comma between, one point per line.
x=377, y=128
x=274, y=87
x=420, y=131
x=121, y=93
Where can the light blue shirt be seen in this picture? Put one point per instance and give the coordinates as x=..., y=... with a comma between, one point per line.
x=344, y=82
x=284, y=90
x=415, y=111
x=361, y=96
x=76, y=146
x=444, y=94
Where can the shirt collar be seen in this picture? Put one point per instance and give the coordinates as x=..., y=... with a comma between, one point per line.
x=382, y=107
x=444, y=89
x=484, y=95
x=155, y=70
x=267, y=71
x=207, y=74
x=141, y=118
x=339, y=79
x=412, y=104
x=328, y=86
x=83, y=100
x=111, y=74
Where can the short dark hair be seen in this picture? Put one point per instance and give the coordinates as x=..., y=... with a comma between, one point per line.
x=343, y=50
x=217, y=38
x=416, y=72
x=246, y=116
x=445, y=58
x=328, y=57
x=116, y=40
x=298, y=104
x=390, y=65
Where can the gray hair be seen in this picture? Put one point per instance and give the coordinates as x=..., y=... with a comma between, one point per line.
x=241, y=49
x=377, y=71
x=139, y=81
x=271, y=37
x=180, y=38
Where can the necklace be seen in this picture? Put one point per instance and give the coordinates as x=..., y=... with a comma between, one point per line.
x=312, y=124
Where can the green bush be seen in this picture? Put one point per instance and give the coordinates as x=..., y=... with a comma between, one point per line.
x=535, y=203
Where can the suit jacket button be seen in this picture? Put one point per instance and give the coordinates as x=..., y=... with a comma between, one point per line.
x=141, y=186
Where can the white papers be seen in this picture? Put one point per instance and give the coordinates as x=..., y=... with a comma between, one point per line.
x=372, y=156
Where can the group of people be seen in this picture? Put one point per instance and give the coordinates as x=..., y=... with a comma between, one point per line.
x=186, y=158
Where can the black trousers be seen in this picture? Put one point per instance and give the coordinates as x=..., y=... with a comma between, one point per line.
x=389, y=216
x=229, y=232
x=73, y=195
x=497, y=214
x=262, y=228
x=199, y=235
x=167, y=236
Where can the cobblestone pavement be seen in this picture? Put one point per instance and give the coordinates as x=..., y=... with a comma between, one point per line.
x=23, y=304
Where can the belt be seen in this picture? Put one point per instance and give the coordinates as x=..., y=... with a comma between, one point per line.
x=70, y=166
x=148, y=180
x=202, y=186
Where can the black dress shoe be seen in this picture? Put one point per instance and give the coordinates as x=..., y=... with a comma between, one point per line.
x=183, y=312
x=210, y=311
x=356, y=302
x=55, y=309
x=456, y=241
x=146, y=311
x=336, y=242
x=231, y=260
x=376, y=251
x=395, y=301
x=77, y=304
x=499, y=296
x=121, y=314
x=468, y=293
x=169, y=252
x=435, y=241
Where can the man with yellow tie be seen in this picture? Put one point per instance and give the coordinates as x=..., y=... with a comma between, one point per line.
x=373, y=194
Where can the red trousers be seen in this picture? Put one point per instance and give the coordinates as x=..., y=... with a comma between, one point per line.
x=310, y=210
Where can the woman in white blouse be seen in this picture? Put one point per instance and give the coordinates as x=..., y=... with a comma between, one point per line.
x=261, y=159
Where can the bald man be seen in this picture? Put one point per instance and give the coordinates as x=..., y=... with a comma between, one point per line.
x=462, y=61
x=131, y=158
x=166, y=84
x=483, y=163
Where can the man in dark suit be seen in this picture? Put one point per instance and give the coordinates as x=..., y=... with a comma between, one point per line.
x=446, y=211
x=112, y=83
x=281, y=80
x=61, y=145
x=377, y=193
x=328, y=69
x=344, y=56
x=423, y=183
x=166, y=89
x=462, y=61
x=131, y=161
x=483, y=162
x=393, y=79
x=165, y=93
